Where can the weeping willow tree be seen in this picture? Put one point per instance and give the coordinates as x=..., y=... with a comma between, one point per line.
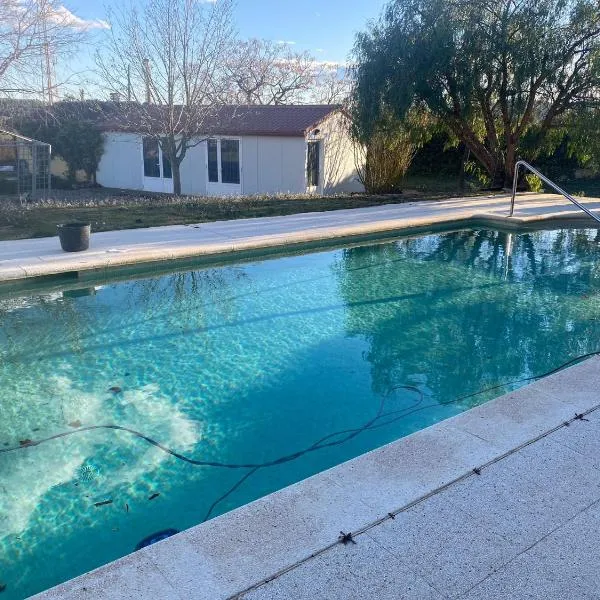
x=579, y=131
x=488, y=70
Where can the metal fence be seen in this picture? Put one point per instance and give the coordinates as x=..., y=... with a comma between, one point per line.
x=24, y=167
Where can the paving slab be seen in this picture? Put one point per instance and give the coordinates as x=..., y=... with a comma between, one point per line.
x=567, y=473
x=564, y=565
x=512, y=500
x=583, y=437
x=217, y=559
x=445, y=545
x=353, y=572
x=524, y=414
x=136, y=578
x=397, y=474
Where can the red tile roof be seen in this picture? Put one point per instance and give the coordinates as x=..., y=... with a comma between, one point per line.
x=288, y=120
x=280, y=120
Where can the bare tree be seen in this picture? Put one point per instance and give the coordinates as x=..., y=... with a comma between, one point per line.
x=332, y=86
x=265, y=72
x=33, y=33
x=168, y=57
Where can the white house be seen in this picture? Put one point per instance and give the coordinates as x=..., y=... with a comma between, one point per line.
x=256, y=150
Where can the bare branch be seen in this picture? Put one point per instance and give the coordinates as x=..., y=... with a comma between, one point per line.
x=33, y=34
x=264, y=72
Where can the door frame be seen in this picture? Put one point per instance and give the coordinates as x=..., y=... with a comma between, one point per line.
x=159, y=184
x=214, y=188
x=315, y=189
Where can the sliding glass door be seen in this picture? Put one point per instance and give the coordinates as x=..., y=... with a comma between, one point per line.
x=158, y=176
x=223, y=167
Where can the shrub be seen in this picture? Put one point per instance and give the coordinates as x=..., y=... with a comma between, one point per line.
x=80, y=143
x=386, y=153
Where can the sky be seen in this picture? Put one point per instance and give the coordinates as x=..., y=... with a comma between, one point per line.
x=326, y=28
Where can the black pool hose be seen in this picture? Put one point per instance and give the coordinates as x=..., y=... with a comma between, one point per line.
x=376, y=422
x=381, y=419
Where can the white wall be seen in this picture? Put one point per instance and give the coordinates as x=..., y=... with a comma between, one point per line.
x=121, y=163
x=339, y=173
x=193, y=171
x=273, y=165
x=270, y=165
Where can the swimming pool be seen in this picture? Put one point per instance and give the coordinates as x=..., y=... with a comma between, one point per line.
x=221, y=385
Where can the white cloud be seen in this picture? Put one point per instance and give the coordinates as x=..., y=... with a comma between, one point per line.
x=63, y=15
x=286, y=42
x=319, y=66
x=57, y=14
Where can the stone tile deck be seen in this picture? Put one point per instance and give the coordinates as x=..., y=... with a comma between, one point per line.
x=502, y=501
x=23, y=259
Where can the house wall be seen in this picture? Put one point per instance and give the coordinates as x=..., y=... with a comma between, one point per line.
x=270, y=165
x=273, y=165
x=121, y=163
x=193, y=171
x=339, y=172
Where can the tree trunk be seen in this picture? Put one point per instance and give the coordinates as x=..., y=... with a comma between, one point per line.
x=509, y=171
x=169, y=147
x=176, y=170
x=509, y=164
x=499, y=177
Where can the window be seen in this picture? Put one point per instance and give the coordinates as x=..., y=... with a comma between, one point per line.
x=156, y=164
x=312, y=164
x=230, y=161
x=151, y=157
x=223, y=161
x=213, y=161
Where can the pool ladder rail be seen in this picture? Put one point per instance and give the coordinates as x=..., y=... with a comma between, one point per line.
x=522, y=163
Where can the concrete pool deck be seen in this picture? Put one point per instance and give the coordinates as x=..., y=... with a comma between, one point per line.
x=25, y=259
x=501, y=501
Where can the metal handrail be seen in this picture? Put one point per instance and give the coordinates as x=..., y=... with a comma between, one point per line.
x=522, y=163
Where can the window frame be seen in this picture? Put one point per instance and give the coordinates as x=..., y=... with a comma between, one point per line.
x=219, y=140
x=161, y=161
x=318, y=143
x=217, y=146
x=146, y=140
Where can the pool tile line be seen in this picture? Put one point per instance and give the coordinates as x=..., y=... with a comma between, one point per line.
x=477, y=471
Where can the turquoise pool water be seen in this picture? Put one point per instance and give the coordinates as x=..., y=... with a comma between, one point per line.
x=254, y=363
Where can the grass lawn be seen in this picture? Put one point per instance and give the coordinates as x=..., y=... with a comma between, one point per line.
x=109, y=210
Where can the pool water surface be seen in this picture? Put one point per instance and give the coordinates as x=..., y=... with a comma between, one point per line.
x=179, y=397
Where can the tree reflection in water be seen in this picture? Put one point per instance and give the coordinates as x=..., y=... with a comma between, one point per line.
x=462, y=310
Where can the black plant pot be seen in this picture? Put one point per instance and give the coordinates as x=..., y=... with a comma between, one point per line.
x=74, y=237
